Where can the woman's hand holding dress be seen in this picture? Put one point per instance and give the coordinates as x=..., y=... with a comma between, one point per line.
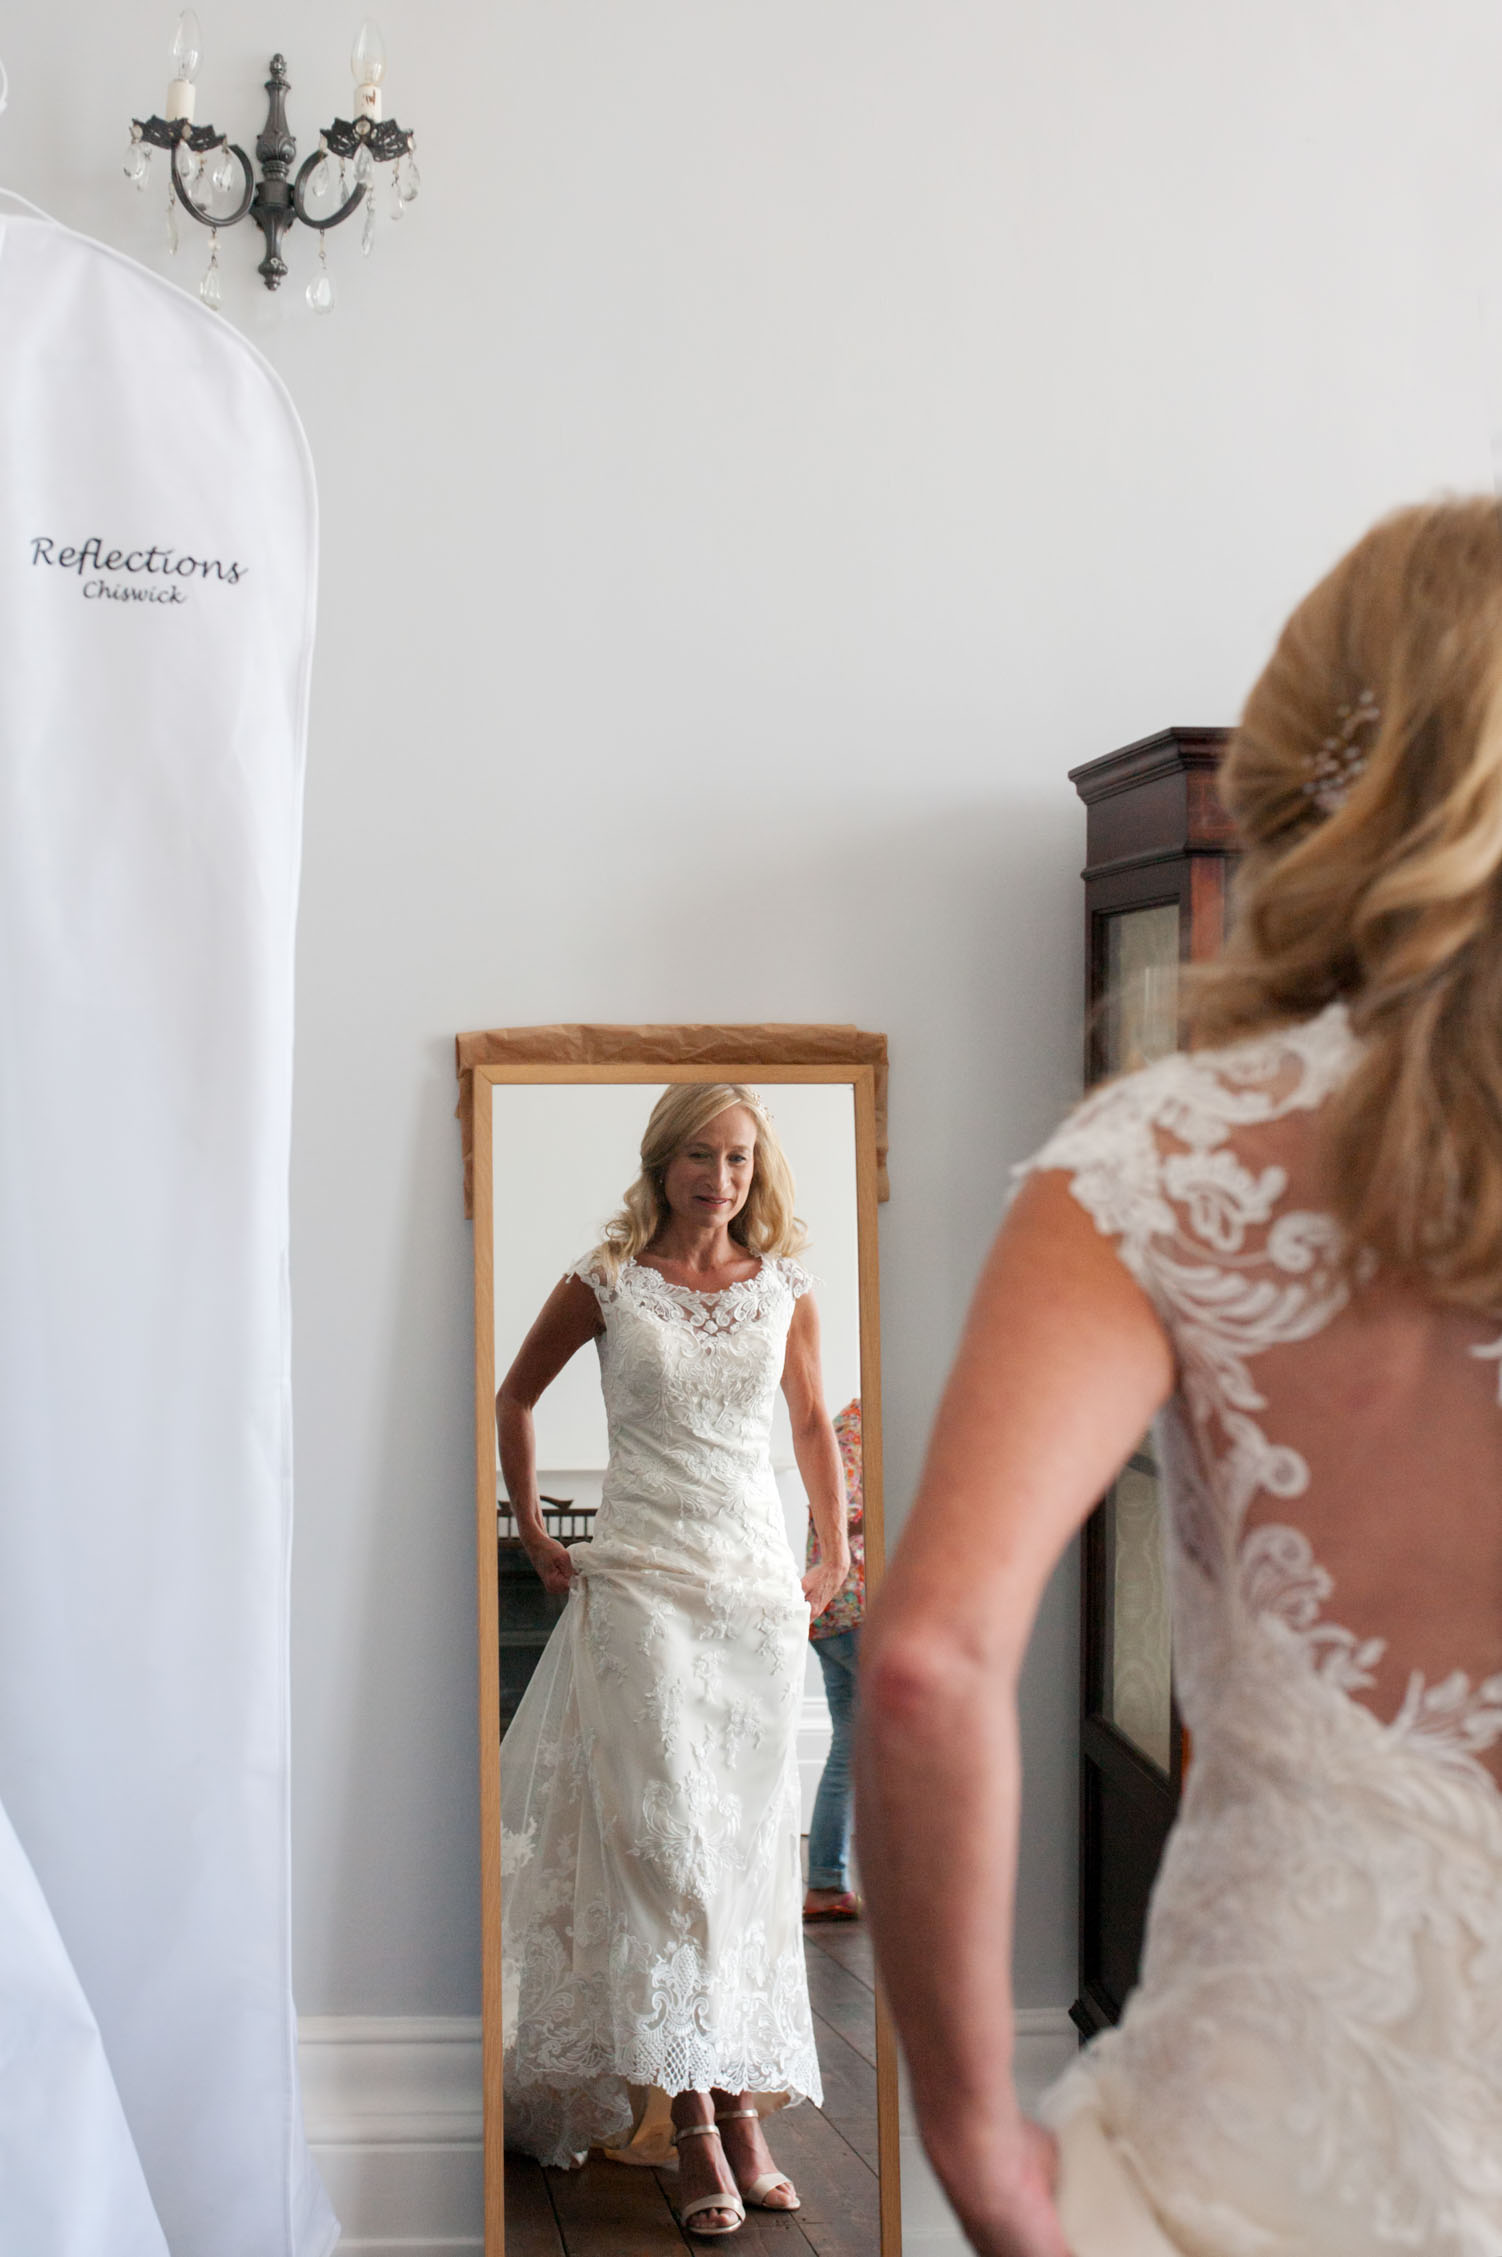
x=552, y=1560
x=823, y=1580
x=1017, y=2219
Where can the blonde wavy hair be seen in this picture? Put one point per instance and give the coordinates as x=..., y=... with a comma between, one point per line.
x=765, y=1225
x=1391, y=900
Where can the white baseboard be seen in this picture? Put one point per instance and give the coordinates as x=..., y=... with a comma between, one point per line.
x=1045, y=2042
x=394, y=2115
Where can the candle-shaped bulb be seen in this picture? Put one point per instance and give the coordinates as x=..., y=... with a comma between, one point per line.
x=367, y=62
x=187, y=47
x=187, y=54
x=367, y=58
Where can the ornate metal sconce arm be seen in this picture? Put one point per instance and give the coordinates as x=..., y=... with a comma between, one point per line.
x=305, y=172
x=198, y=139
x=279, y=196
x=387, y=143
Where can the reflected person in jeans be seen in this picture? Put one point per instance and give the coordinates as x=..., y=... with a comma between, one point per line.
x=836, y=1638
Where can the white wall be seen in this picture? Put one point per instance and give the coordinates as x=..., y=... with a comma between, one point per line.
x=781, y=441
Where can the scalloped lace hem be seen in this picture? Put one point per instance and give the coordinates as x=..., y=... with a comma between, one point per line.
x=558, y=2124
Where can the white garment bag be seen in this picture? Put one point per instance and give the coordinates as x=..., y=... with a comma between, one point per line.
x=157, y=547
x=70, y=2178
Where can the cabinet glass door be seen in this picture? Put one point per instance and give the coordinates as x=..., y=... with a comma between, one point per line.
x=1138, y=1686
x=1141, y=1024
x=1142, y=985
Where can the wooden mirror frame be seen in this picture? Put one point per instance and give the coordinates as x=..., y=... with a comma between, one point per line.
x=485, y=1078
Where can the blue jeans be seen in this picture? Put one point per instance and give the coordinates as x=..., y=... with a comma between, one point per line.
x=829, y=1835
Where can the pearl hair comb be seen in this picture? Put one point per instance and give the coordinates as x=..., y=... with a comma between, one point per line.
x=1341, y=759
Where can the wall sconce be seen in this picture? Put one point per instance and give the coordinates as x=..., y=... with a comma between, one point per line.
x=201, y=160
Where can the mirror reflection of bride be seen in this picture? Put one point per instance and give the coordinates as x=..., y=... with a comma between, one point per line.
x=651, y=1930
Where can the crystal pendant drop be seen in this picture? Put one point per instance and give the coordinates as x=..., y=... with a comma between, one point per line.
x=171, y=222
x=321, y=288
x=211, y=289
x=364, y=164
x=223, y=175
x=409, y=179
x=319, y=178
x=397, y=206
x=135, y=159
x=143, y=177
x=367, y=239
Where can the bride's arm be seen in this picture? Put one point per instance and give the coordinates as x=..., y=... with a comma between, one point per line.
x=1062, y=1366
x=570, y=1316
x=818, y=1455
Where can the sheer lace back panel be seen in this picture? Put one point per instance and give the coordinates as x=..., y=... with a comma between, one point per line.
x=1313, y=2059
x=1339, y=1454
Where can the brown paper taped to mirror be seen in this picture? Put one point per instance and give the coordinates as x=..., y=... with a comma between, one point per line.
x=583, y=1045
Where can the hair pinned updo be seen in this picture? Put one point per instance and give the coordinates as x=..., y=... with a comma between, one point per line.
x=1373, y=873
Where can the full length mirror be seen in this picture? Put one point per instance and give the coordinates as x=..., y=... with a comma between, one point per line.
x=677, y=1396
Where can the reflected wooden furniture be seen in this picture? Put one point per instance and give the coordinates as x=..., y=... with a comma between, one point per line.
x=1157, y=862
x=528, y=1612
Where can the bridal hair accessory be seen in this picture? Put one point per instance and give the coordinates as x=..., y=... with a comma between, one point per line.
x=1341, y=758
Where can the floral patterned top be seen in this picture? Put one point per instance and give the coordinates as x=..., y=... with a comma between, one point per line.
x=848, y=1605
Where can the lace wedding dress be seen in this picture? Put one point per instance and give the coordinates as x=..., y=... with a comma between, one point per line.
x=1312, y=2064
x=651, y=1914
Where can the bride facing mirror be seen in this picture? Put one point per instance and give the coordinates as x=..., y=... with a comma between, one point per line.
x=668, y=2047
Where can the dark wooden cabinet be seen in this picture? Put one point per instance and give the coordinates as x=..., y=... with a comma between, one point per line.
x=527, y=1613
x=1158, y=857
x=527, y=1617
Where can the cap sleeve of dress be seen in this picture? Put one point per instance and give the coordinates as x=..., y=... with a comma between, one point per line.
x=796, y=1278
x=1109, y=1149
x=591, y=1268
x=1155, y=1158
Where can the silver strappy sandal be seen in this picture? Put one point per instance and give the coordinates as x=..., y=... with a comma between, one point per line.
x=723, y=2199
x=763, y=2185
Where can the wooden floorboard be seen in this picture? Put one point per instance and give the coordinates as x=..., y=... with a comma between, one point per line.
x=849, y=2092
x=848, y=1942
x=614, y=2210
x=842, y=2000
x=531, y=2228
x=839, y=2217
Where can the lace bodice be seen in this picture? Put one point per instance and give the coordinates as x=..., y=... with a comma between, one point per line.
x=690, y=1382
x=1313, y=2060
